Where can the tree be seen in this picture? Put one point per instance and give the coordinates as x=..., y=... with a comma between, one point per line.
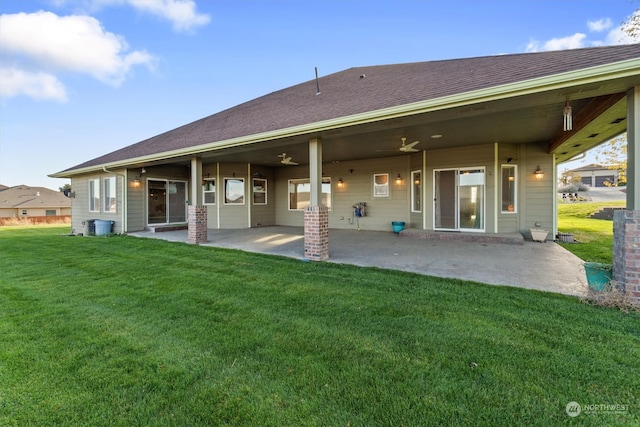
x=64, y=187
x=631, y=26
x=613, y=154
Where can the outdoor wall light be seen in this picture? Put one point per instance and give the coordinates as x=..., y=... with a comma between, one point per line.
x=398, y=179
x=568, y=117
x=340, y=183
x=538, y=173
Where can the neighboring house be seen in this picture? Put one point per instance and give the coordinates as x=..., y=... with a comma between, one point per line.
x=23, y=201
x=489, y=131
x=596, y=175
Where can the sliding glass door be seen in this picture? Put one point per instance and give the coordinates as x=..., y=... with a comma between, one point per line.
x=459, y=199
x=167, y=201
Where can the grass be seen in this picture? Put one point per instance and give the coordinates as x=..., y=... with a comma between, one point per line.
x=594, y=237
x=126, y=331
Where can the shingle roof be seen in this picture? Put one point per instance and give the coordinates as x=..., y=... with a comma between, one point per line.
x=345, y=93
x=23, y=196
x=590, y=167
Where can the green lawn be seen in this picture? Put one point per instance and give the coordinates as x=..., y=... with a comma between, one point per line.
x=125, y=331
x=594, y=237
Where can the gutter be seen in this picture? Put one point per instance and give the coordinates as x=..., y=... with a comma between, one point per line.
x=622, y=69
x=578, y=157
x=125, y=196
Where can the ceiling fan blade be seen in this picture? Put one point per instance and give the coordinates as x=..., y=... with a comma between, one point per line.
x=413, y=144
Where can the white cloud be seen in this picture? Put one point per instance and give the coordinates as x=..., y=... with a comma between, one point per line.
x=38, y=85
x=570, y=42
x=599, y=25
x=614, y=36
x=181, y=13
x=70, y=43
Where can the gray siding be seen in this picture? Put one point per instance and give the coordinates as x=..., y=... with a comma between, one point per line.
x=234, y=216
x=537, y=195
x=80, y=203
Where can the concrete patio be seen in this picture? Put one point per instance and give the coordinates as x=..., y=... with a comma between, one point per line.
x=542, y=266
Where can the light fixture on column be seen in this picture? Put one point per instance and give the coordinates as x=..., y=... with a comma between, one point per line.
x=568, y=119
x=538, y=173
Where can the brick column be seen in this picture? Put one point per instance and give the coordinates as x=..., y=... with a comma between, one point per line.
x=197, y=224
x=626, y=251
x=316, y=233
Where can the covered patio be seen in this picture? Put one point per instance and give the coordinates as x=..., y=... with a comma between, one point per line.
x=542, y=266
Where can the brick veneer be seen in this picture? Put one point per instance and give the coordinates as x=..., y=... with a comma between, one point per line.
x=197, y=224
x=316, y=233
x=626, y=251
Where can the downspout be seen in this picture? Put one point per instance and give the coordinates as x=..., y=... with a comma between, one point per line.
x=424, y=190
x=497, y=205
x=125, y=196
x=249, y=197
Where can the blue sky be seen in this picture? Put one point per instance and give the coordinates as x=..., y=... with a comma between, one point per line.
x=81, y=78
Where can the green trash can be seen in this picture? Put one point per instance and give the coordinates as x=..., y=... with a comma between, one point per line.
x=598, y=275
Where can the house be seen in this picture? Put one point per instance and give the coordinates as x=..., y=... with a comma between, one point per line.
x=462, y=145
x=595, y=175
x=34, y=203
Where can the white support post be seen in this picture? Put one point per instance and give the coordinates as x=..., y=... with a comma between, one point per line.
x=633, y=149
x=315, y=171
x=196, y=181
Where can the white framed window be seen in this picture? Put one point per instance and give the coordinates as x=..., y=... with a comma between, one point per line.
x=259, y=191
x=380, y=185
x=23, y=212
x=234, y=191
x=109, y=192
x=509, y=189
x=209, y=191
x=416, y=191
x=94, y=195
x=300, y=193
x=50, y=212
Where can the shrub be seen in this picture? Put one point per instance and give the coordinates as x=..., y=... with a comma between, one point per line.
x=573, y=187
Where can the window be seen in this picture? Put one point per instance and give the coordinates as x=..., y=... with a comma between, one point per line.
x=94, y=195
x=300, y=193
x=416, y=191
x=380, y=185
x=259, y=191
x=509, y=187
x=24, y=212
x=109, y=191
x=209, y=191
x=50, y=212
x=234, y=191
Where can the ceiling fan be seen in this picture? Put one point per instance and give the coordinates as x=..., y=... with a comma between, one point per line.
x=286, y=160
x=406, y=148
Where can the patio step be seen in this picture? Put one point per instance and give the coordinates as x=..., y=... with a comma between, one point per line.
x=508, y=238
x=161, y=228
